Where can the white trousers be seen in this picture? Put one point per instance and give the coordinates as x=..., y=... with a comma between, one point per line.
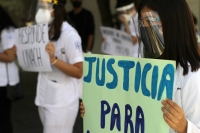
x=58, y=120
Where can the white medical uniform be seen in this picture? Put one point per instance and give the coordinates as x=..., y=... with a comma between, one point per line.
x=57, y=96
x=8, y=72
x=79, y=83
x=133, y=26
x=187, y=96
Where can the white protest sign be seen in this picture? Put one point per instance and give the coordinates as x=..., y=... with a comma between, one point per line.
x=116, y=42
x=31, y=42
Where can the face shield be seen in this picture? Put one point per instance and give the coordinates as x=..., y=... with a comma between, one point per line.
x=41, y=11
x=151, y=34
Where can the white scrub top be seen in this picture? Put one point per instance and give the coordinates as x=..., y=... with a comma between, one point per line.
x=188, y=97
x=8, y=72
x=56, y=89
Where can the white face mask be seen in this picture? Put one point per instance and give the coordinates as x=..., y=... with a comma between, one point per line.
x=44, y=16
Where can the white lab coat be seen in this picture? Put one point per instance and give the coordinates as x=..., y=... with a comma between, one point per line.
x=57, y=95
x=188, y=97
x=9, y=73
x=56, y=89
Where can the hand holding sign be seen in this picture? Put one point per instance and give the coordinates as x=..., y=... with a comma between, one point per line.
x=124, y=94
x=50, y=48
x=13, y=50
x=174, y=116
x=10, y=54
x=82, y=109
x=31, y=42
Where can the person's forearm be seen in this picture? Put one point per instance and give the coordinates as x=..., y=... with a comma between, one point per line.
x=134, y=39
x=127, y=28
x=71, y=70
x=90, y=41
x=6, y=58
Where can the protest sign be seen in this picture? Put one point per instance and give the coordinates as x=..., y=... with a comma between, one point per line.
x=31, y=42
x=116, y=42
x=124, y=94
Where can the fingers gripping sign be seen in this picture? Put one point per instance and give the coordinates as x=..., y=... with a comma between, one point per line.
x=174, y=116
x=82, y=109
x=50, y=48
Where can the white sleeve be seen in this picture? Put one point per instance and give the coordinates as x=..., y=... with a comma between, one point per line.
x=192, y=128
x=191, y=102
x=73, y=49
x=132, y=30
x=133, y=26
x=8, y=38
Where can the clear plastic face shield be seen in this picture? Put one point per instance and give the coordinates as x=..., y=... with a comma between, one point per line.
x=151, y=33
x=41, y=11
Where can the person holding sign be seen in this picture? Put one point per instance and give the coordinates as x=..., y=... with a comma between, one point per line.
x=126, y=12
x=57, y=98
x=8, y=69
x=168, y=33
x=161, y=26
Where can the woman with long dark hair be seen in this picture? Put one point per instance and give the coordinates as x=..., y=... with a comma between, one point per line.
x=8, y=69
x=57, y=97
x=168, y=33
x=167, y=30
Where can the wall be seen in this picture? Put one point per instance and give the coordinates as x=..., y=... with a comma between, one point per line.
x=195, y=8
x=18, y=10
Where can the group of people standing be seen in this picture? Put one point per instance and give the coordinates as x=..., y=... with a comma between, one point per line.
x=57, y=94
x=163, y=27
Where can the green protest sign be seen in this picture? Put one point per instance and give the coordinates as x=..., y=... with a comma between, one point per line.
x=124, y=94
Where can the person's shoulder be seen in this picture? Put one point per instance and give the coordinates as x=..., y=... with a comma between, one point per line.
x=67, y=29
x=66, y=26
x=193, y=77
x=191, y=84
x=8, y=30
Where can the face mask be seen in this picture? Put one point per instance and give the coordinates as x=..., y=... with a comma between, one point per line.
x=76, y=4
x=152, y=40
x=44, y=16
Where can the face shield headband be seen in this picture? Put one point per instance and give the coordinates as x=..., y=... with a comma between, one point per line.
x=151, y=33
x=41, y=10
x=44, y=10
x=54, y=2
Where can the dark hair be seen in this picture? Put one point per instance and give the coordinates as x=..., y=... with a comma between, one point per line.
x=59, y=17
x=178, y=30
x=5, y=20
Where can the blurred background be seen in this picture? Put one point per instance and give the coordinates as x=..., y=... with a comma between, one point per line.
x=24, y=112
x=19, y=10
